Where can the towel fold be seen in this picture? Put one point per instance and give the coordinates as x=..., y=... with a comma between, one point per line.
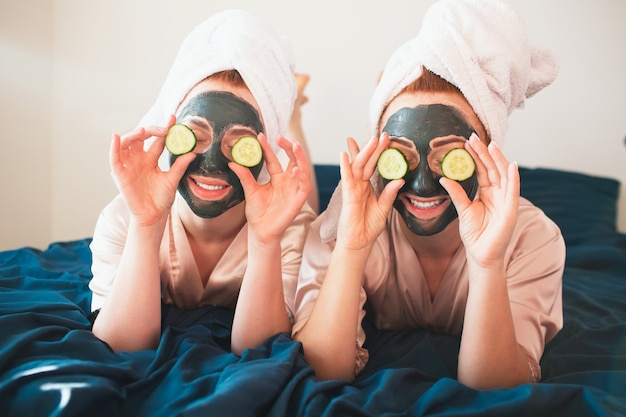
x=239, y=40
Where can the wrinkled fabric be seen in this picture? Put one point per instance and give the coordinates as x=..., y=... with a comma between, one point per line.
x=397, y=293
x=52, y=365
x=181, y=282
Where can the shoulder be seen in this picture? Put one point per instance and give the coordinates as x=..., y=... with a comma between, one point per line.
x=303, y=220
x=537, y=236
x=531, y=219
x=113, y=219
x=306, y=215
x=296, y=232
x=116, y=210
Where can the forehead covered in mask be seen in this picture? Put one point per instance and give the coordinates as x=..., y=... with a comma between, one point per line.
x=423, y=123
x=222, y=109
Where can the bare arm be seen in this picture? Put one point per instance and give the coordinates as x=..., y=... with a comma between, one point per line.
x=330, y=334
x=490, y=355
x=270, y=209
x=130, y=317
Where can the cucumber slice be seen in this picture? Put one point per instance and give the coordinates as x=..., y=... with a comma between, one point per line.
x=392, y=164
x=458, y=165
x=247, y=151
x=180, y=139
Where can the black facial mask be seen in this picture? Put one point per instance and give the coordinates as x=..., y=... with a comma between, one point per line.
x=217, y=119
x=434, y=129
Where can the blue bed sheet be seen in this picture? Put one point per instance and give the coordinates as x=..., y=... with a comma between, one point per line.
x=52, y=365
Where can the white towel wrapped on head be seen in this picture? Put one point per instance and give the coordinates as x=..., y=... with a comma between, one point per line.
x=239, y=40
x=480, y=46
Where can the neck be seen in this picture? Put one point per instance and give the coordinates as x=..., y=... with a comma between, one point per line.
x=223, y=227
x=441, y=245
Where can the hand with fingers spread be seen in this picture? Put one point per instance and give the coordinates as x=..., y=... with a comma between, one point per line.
x=148, y=191
x=271, y=207
x=363, y=214
x=486, y=224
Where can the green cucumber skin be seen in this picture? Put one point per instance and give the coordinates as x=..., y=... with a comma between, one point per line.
x=189, y=136
x=258, y=152
x=466, y=155
x=397, y=174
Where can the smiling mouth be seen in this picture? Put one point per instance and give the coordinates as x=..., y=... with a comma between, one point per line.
x=209, y=187
x=426, y=205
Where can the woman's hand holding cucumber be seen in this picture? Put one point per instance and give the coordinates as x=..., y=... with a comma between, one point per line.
x=148, y=191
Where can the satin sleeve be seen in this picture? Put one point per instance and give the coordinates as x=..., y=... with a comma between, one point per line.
x=292, y=246
x=107, y=246
x=534, y=277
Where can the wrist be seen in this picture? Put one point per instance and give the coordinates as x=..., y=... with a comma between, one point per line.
x=259, y=238
x=154, y=220
x=352, y=252
x=257, y=244
x=152, y=230
x=486, y=271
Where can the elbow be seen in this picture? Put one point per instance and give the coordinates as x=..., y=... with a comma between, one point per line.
x=241, y=340
x=482, y=381
x=325, y=374
x=477, y=383
x=327, y=364
x=238, y=342
x=237, y=348
x=128, y=340
x=331, y=369
x=509, y=372
x=484, y=384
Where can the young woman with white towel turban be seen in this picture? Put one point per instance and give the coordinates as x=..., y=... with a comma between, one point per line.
x=199, y=230
x=469, y=258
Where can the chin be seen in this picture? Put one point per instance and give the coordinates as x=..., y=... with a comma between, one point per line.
x=428, y=227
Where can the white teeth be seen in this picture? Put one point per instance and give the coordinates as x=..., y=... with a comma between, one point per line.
x=427, y=205
x=210, y=187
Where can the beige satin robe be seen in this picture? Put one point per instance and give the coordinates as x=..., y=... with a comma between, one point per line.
x=398, y=294
x=181, y=283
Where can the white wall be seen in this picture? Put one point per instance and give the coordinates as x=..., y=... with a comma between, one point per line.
x=73, y=72
x=25, y=124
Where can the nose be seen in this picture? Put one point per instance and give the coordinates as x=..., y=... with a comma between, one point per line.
x=213, y=160
x=423, y=182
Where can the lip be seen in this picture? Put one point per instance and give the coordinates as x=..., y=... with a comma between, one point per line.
x=208, y=188
x=425, y=208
